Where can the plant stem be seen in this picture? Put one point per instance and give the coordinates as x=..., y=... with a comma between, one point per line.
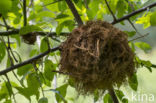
x=113, y=95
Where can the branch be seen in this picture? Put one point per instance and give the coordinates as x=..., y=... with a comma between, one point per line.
x=110, y=11
x=25, y=12
x=3, y=72
x=10, y=88
x=86, y=4
x=113, y=95
x=133, y=26
x=16, y=32
x=52, y=3
x=5, y=23
x=74, y=11
x=142, y=36
x=134, y=13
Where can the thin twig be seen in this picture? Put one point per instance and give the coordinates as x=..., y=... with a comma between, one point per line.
x=110, y=11
x=31, y=3
x=134, y=13
x=138, y=37
x=48, y=39
x=38, y=78
x=133, y=26
x=25, y=12
x=74, y=11
x=8, y=48
x=10, y=87
x=86, y=50
x=113, y=95
x=8, y=26
x=61, y=72
x=3, y=72
x=98, y=51
x=52, y=2
x=10, y=51
x=5, y=23
x=16, y=32
x=13, y=55
x=86, y=4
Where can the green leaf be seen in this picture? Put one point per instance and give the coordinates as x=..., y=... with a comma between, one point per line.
x=121, y=95
x=121, y=8
x=44, y=80
x=24, y=69
x=46, y=14
x=124, y=100
x=5, y=6
x=24, y=92
x=70, y=24
x=9, y=88
x=145, y=20
x=153, y=19
x=144, y=46
x=43, y=100
x=62, y=93
x=130, y=33
x=2, y=51
x=89, y=14
x=94, y=7
x=43, y=14
x=96, y=96
x=7, y=101
x=8, y=64
x=3, y=91
x=17, y=20
x=31, y=80
x=33, y=52
x=44, y=45
x=15, y=8
x=61, y=16
x=17, y=37
x=131, y=44
x=53, y=7
x=29, y=28
x=62, y=6
x=48, y=68
x=107, y=99
x=59, y=28
x=146, y=64
x=79, y=3
x=133, y=82
x=71, y=82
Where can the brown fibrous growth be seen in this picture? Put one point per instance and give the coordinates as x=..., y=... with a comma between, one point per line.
x=29, y=38
x=97, y=57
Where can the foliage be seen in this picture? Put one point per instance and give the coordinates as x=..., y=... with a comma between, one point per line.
x=55, y=17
